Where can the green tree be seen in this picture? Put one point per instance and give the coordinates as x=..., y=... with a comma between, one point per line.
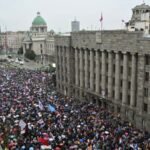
x=30, y=54
x=20, y=51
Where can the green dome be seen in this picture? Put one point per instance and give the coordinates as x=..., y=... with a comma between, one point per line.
x=38, y=21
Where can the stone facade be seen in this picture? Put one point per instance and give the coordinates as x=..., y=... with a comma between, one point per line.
x=12, y=41
x=114, y=72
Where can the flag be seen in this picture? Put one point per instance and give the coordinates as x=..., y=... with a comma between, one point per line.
x=41, y=105
x=22, y=124
x=51, y=108
x=101, y=19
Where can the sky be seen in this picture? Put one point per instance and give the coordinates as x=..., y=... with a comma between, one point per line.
x=17, y=15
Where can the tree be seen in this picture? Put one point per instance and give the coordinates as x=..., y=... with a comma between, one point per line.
x=30, y=54
x=20, y=51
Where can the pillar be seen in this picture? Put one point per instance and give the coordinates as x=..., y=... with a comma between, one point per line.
x=86, y=68
x=76, y=68
x=103, y=74
x=81, y=68
x=117, y=77
x=60, y=68
x=91, y=70
x=97, y=81
x=125, y=79
x=110, y=75
x=133, y=81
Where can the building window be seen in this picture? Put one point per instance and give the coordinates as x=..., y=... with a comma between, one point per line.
x=118, y=109
x=113, y=81
x=120, y=96
x=146, y=92
x=145, y=107
x=113, y=94
x=129, y=85
x=147, y=59
x=146, y=76
x=107, y=68
x=128, y=100
x=106, y=80
x=121, y=69
x=129, y=71
x=121, y=83
x=114, y=67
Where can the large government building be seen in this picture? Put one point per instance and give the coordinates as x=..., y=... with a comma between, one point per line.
x=40, y=40
x=109, y=68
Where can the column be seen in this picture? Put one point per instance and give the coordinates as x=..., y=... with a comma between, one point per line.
x=91, y=70
x=110, y=75
x=97, y=81
x=68, y=73
x=81, y=68
x=64, y=64
x=140, y=83
x=125, y=79
x=57, y=66
x=86, y=68
x=60, y=68
x=76, y=68
x=117, y=77
x=103, y=83
x=133, y=80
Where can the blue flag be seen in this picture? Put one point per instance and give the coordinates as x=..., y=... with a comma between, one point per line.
x=51, y=108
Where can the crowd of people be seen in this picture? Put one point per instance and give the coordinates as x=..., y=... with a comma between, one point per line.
x=34, y=117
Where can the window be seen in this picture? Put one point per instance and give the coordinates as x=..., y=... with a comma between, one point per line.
x=129, y=71
x=146, y=76
x=145, y=107
x=121, y=69
x=113, y=81
x=146, y=92
x=129, y=85
x=147, y=59
x=121, y=83
x=128, y=100
x=113, y=94
x=120, y=96
x=114, y=68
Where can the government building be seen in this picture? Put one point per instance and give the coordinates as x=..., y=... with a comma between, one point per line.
x=110, y=68
x=40, y=41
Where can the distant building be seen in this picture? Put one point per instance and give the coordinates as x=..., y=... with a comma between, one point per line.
x=75, y=26
x=140, y=20
x=40, y=40
x=12, y=41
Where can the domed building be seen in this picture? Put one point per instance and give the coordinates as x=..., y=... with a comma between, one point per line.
x=40, y=41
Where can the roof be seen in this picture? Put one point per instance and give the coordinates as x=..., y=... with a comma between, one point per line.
x=38, y=20
x=142, y=6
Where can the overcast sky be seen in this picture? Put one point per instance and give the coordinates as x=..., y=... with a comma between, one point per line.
x=19, y=14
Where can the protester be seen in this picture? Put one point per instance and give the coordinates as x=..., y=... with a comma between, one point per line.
x=34, y=117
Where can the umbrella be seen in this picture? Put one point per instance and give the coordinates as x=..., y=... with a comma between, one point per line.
x=106, y=132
